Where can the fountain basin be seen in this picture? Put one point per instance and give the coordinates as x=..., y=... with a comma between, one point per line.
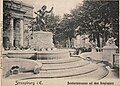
x=38, y=55
x=25, y=54
x=55, y=54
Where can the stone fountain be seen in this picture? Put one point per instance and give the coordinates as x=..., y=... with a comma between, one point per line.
x=56, y=63
x=41, y=43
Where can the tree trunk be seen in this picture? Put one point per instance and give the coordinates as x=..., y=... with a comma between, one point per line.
x=98, y=40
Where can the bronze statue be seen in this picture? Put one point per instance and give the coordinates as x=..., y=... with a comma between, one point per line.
x=40, y=17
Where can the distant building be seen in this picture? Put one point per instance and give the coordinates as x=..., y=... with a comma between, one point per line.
x=21, y=15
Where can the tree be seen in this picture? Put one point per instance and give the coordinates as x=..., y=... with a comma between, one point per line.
x=65, y=29
x=98, y=19
x=52, y=21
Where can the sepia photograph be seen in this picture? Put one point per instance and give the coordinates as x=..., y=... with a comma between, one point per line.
x=60, y=39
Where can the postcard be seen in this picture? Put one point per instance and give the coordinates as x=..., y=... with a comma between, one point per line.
x=59, y=42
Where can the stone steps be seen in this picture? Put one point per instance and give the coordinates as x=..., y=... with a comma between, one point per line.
x=98, y=74
x=113, y=74
x=56, y=61
x=67, y=65
x=66, y=72
x=72, y=68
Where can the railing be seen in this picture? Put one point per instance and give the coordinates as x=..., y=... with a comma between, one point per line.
x=116, y=60
x=117, y=50
x=99, y=49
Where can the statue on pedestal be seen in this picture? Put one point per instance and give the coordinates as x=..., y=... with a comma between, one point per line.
x=110, y=42
x=109, y=50
x=40, y=17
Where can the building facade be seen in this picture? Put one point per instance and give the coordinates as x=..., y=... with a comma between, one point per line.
x=21, y=16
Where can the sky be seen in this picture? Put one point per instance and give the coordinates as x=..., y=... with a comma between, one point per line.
x=60, y=6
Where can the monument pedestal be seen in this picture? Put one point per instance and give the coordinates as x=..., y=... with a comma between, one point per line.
x=108, y=52
x=42, y=41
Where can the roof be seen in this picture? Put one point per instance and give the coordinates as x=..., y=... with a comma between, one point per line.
x=19, y=2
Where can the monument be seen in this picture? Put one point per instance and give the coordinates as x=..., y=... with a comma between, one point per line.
x=109, y=50
x=42, y=40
